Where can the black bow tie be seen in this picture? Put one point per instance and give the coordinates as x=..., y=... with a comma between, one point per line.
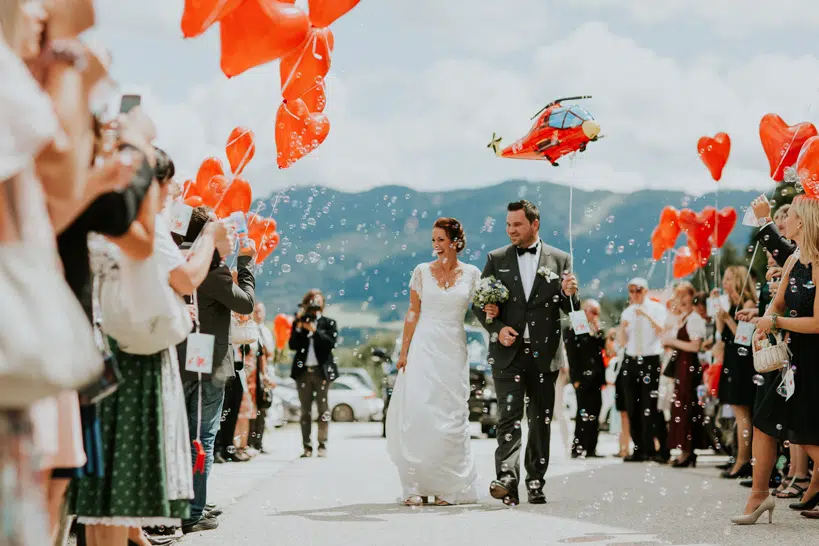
x=522, y=251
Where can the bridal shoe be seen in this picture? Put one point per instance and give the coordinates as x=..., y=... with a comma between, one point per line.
x=415, y=500
x=767, y=505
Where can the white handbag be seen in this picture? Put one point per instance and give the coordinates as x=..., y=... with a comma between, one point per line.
x=769, y=358
x=139, y=309
x=46, y=340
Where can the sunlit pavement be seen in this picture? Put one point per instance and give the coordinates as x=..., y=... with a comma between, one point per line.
x=351, y=497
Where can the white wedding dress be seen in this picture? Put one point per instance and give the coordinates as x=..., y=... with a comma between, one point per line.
x=428, y=435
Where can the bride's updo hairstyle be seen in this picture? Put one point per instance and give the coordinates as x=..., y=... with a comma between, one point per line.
x=454, y=230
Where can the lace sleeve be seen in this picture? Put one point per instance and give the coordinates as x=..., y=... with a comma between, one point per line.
x=416, y=284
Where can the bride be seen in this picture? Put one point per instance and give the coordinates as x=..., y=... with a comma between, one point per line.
x=428, y=419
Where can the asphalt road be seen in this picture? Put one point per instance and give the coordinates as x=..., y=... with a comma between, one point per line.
x=351, y=498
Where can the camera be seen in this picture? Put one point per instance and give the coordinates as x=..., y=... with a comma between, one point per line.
x=310, y=313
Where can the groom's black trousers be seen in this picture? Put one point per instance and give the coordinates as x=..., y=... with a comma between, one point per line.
x=522, y=383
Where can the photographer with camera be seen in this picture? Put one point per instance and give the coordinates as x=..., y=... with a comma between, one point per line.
x=313, y=340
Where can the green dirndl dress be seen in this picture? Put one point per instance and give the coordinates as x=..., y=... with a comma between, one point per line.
x=133, y=490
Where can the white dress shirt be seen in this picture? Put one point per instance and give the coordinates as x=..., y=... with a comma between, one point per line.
x=312, y=359
x=527, y=263
x=643, y=340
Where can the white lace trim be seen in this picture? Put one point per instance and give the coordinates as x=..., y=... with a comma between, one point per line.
x=176, y=440
x=131, y=522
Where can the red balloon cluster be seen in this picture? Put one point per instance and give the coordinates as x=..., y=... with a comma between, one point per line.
x=228, y=195
x=256, y=32
x=704, y=230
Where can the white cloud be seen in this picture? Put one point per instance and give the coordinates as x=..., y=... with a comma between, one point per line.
x=423, y=119
x=729, y=18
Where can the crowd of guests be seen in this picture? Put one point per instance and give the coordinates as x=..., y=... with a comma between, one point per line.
x=674, y=360
x=110, y=423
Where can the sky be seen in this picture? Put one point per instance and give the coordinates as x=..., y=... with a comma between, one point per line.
x=417, y=88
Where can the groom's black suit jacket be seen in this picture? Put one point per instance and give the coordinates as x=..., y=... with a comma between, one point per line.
x=541, y=311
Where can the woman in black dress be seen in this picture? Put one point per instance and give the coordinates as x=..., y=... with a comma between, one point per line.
x=795, y=313
x=736, y=387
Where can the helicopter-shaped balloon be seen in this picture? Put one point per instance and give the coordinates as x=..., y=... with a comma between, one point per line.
x=559, y=130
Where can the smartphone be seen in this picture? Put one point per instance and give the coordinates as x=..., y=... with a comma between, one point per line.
x=129, y=102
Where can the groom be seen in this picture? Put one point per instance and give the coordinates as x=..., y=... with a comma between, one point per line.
x=525, y=337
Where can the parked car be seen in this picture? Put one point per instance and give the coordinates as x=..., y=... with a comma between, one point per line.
x=286, y=406
x=351, y=401
x=483, y=401
x=360, y=374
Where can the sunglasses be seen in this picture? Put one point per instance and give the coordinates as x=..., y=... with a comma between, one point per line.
x=634, y=290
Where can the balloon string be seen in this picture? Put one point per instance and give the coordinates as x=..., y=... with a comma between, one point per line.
x=296, y=64
x=571, y=202
x=716, y=237
x=651, y=271
x=286, y=109
x=669, y=259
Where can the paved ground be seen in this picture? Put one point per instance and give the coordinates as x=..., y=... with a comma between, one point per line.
x=350, y=499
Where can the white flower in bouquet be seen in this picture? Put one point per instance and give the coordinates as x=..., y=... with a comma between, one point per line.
x=490, y=291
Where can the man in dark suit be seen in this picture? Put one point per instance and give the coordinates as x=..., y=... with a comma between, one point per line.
x=217, y=297
x=525, y=335
x=588, y=375
x=314, y=368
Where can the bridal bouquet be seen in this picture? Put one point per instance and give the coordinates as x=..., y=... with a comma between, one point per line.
x=490, y=291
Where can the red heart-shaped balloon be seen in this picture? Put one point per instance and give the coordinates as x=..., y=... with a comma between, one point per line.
x=260, y=31
x=199, y=15
x=666, y=232
x=194, y=201
x=324, y=12
x=698, y=227
x=685, y=262
x=215, y=190
x=782, y=143
x=267, y=247
x=283, y=328
x=726, y=220
x=305, y=68
x=209, y=168
x=240, y=149
x=258, y=227
x=189, y=189
x=238, y=197
x=807, y=167
x=714, y=153
x=298, y=132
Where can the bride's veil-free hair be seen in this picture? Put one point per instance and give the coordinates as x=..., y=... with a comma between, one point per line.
x=454, y=230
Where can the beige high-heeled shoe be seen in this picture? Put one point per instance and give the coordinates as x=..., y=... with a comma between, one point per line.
x=767, y=505
x=415, y=500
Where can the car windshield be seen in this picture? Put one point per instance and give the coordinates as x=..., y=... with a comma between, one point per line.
x=556, y=118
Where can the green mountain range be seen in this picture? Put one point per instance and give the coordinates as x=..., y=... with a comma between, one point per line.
x=360, y=248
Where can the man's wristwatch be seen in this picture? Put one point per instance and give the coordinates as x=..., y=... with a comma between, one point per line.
x=762, y=222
